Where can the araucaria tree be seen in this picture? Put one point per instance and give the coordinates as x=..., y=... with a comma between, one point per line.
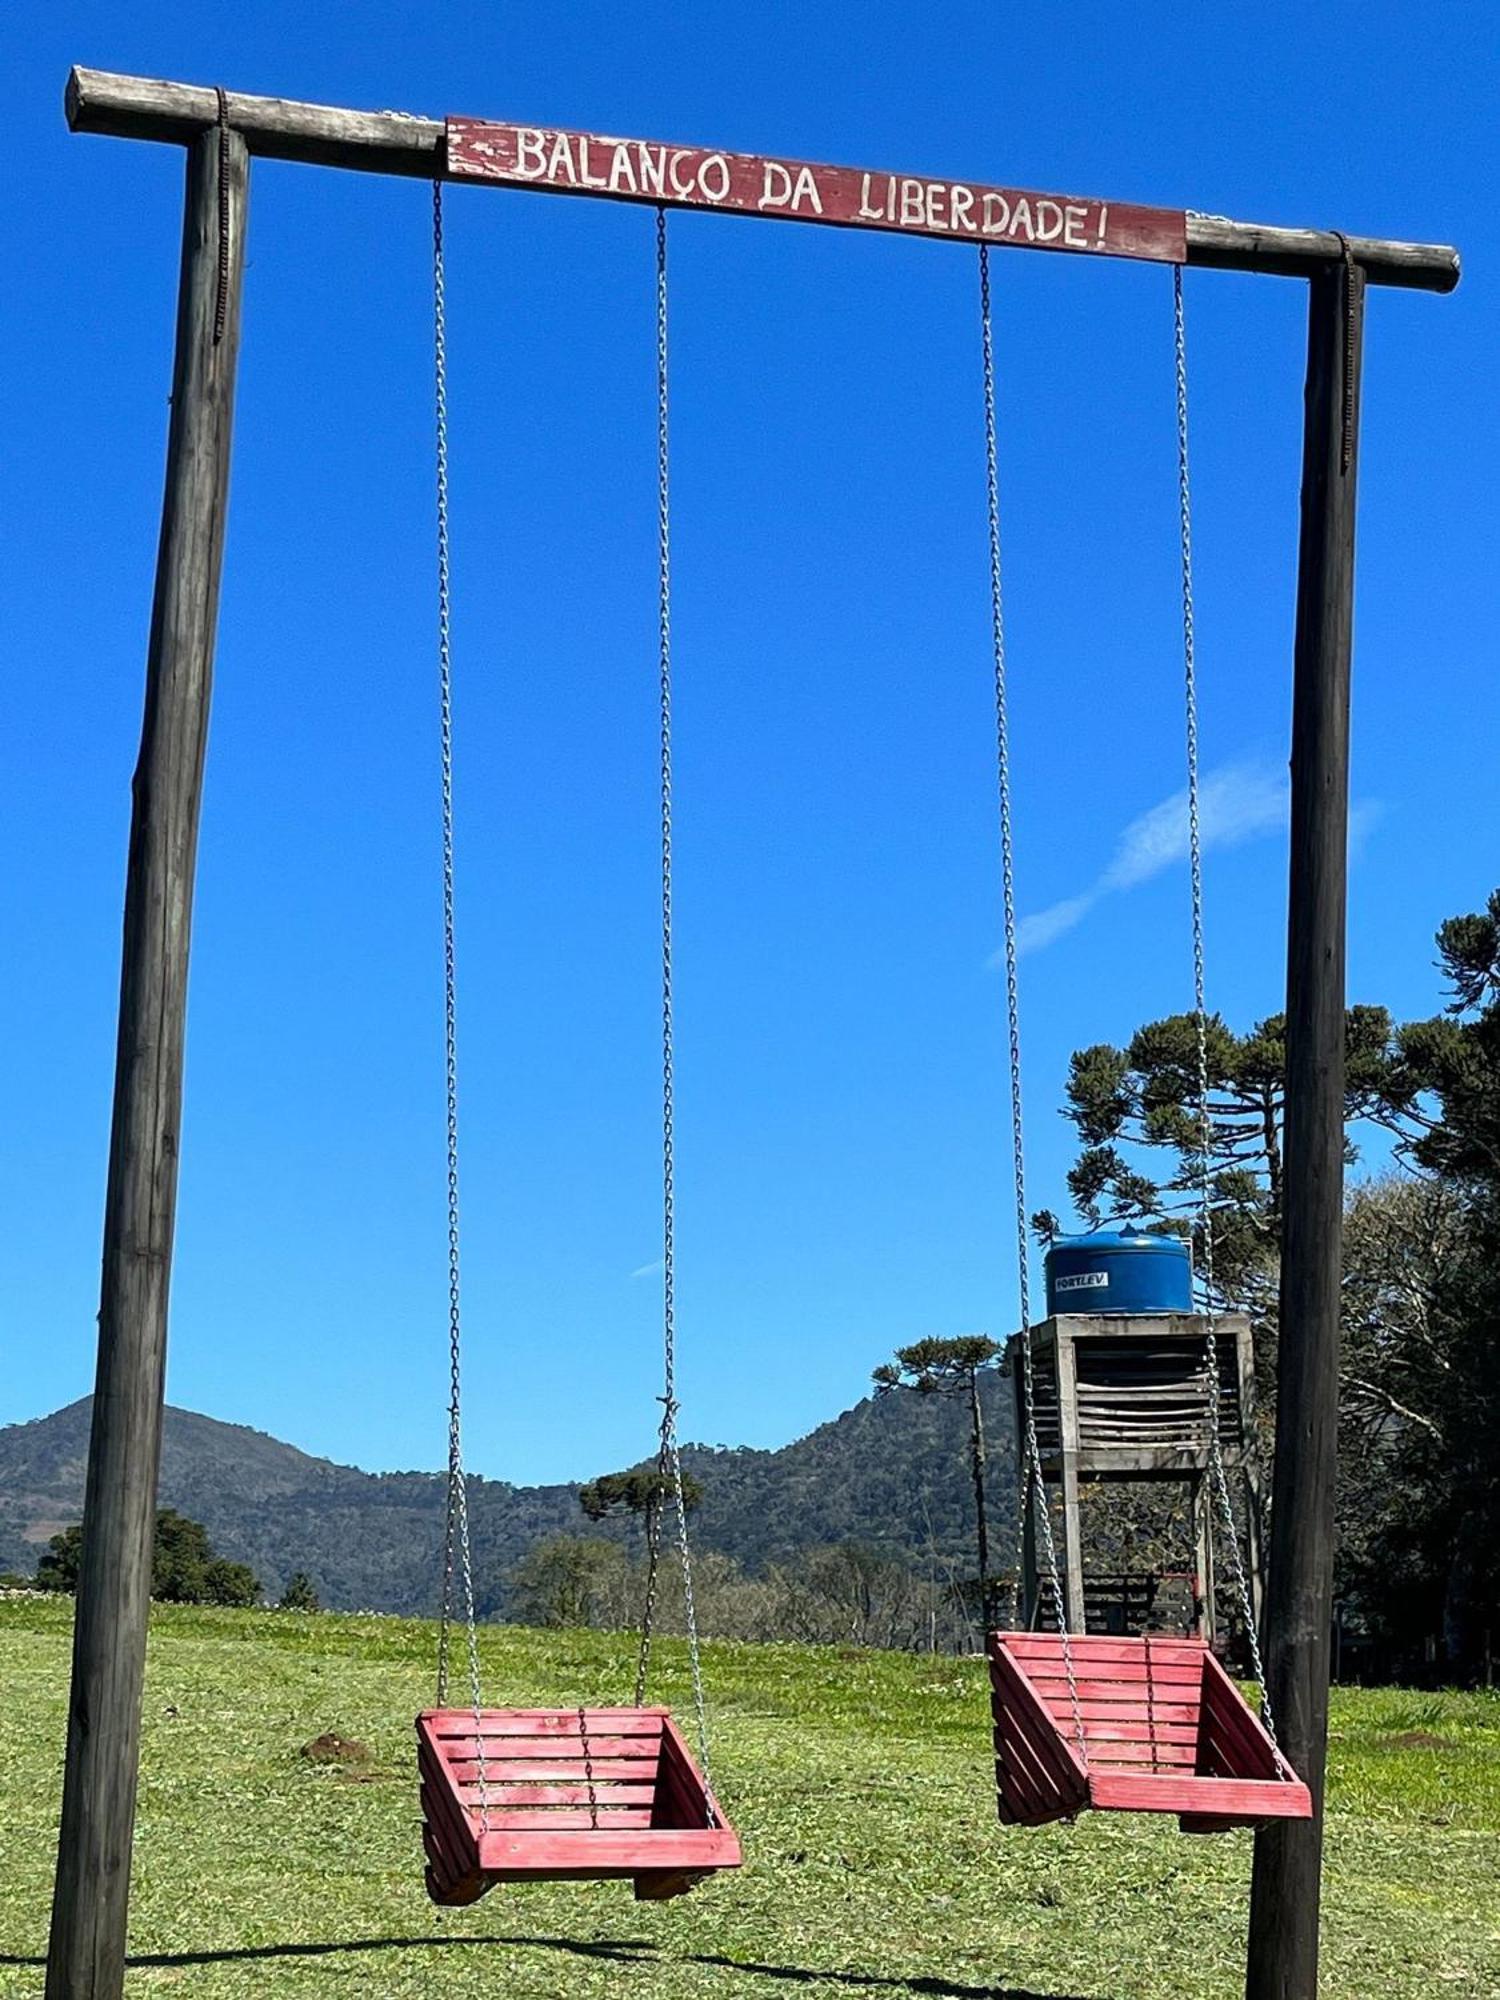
x=1136, y=1105
x=953, y=1366
x=642, y=1491
x=301, y=1593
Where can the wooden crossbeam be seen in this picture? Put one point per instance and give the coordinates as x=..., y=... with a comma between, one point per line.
x=396, y=142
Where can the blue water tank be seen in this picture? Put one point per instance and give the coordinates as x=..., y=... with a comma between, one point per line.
x=1119, y=1271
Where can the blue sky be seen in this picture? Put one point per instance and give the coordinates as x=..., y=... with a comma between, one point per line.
x=842, y=1167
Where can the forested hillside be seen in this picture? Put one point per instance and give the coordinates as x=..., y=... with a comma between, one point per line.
x=890, y=1473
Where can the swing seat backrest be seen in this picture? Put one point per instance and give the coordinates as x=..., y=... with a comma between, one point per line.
x=1164, y=1729
x=556, y=1795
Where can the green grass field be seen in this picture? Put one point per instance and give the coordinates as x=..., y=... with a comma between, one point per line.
x=859, y=1783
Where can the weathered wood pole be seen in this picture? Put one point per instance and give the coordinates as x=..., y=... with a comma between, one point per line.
x=1283, y=1956
x=1073, y=1609
x=86, y=1956
x=977, y=1463
x=1201, y=1513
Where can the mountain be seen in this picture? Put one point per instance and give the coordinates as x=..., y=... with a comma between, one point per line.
x=892, y=1472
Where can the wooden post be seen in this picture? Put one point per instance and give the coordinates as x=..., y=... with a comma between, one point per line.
x=1028, y=1615
x=86, y=1958
x=1201, y=1506
x=1248, y=1460
x=1074, y=1613
x=1283, y=1957
x=987, y=1614
x=1029, y=1595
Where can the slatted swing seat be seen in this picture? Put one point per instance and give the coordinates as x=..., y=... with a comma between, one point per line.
x=1164, y=1730
x=565, y=1795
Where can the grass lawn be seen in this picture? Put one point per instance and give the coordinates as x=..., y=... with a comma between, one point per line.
x=860, y=1786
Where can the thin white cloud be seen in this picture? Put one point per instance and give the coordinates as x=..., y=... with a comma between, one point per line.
x=1044, y=927
x=1236, y=803
x=652, y=1270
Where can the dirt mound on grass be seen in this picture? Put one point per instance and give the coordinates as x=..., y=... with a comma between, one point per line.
x=331, y=1748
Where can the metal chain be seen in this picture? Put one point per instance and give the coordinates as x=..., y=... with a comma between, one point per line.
x=440, y=384
x=221, y=291
x=457, y=1524
x=1218, y=1475
x=653, y=1573
x=1034, y=1493
x=1351, y=287
x=1025, y=1484
x=588, y=1764
x=669, y=1457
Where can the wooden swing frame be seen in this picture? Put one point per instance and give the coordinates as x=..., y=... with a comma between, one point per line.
x=219, y=132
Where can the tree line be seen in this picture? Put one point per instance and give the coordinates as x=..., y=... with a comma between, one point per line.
x=844, y=1594
x=185, y=1569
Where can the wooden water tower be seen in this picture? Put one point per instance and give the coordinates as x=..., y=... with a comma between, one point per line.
x=1125, y=1395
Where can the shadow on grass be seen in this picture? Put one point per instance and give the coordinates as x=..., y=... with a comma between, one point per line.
x=621, y=1951
x=876, y=1982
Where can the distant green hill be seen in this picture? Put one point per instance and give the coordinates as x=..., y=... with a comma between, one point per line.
x=891, y=1472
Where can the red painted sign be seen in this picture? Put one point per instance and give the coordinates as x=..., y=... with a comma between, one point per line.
x=542, y=156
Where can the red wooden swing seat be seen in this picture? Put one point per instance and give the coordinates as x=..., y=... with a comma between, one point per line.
x=567, y=1795
x=1165, y=1728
